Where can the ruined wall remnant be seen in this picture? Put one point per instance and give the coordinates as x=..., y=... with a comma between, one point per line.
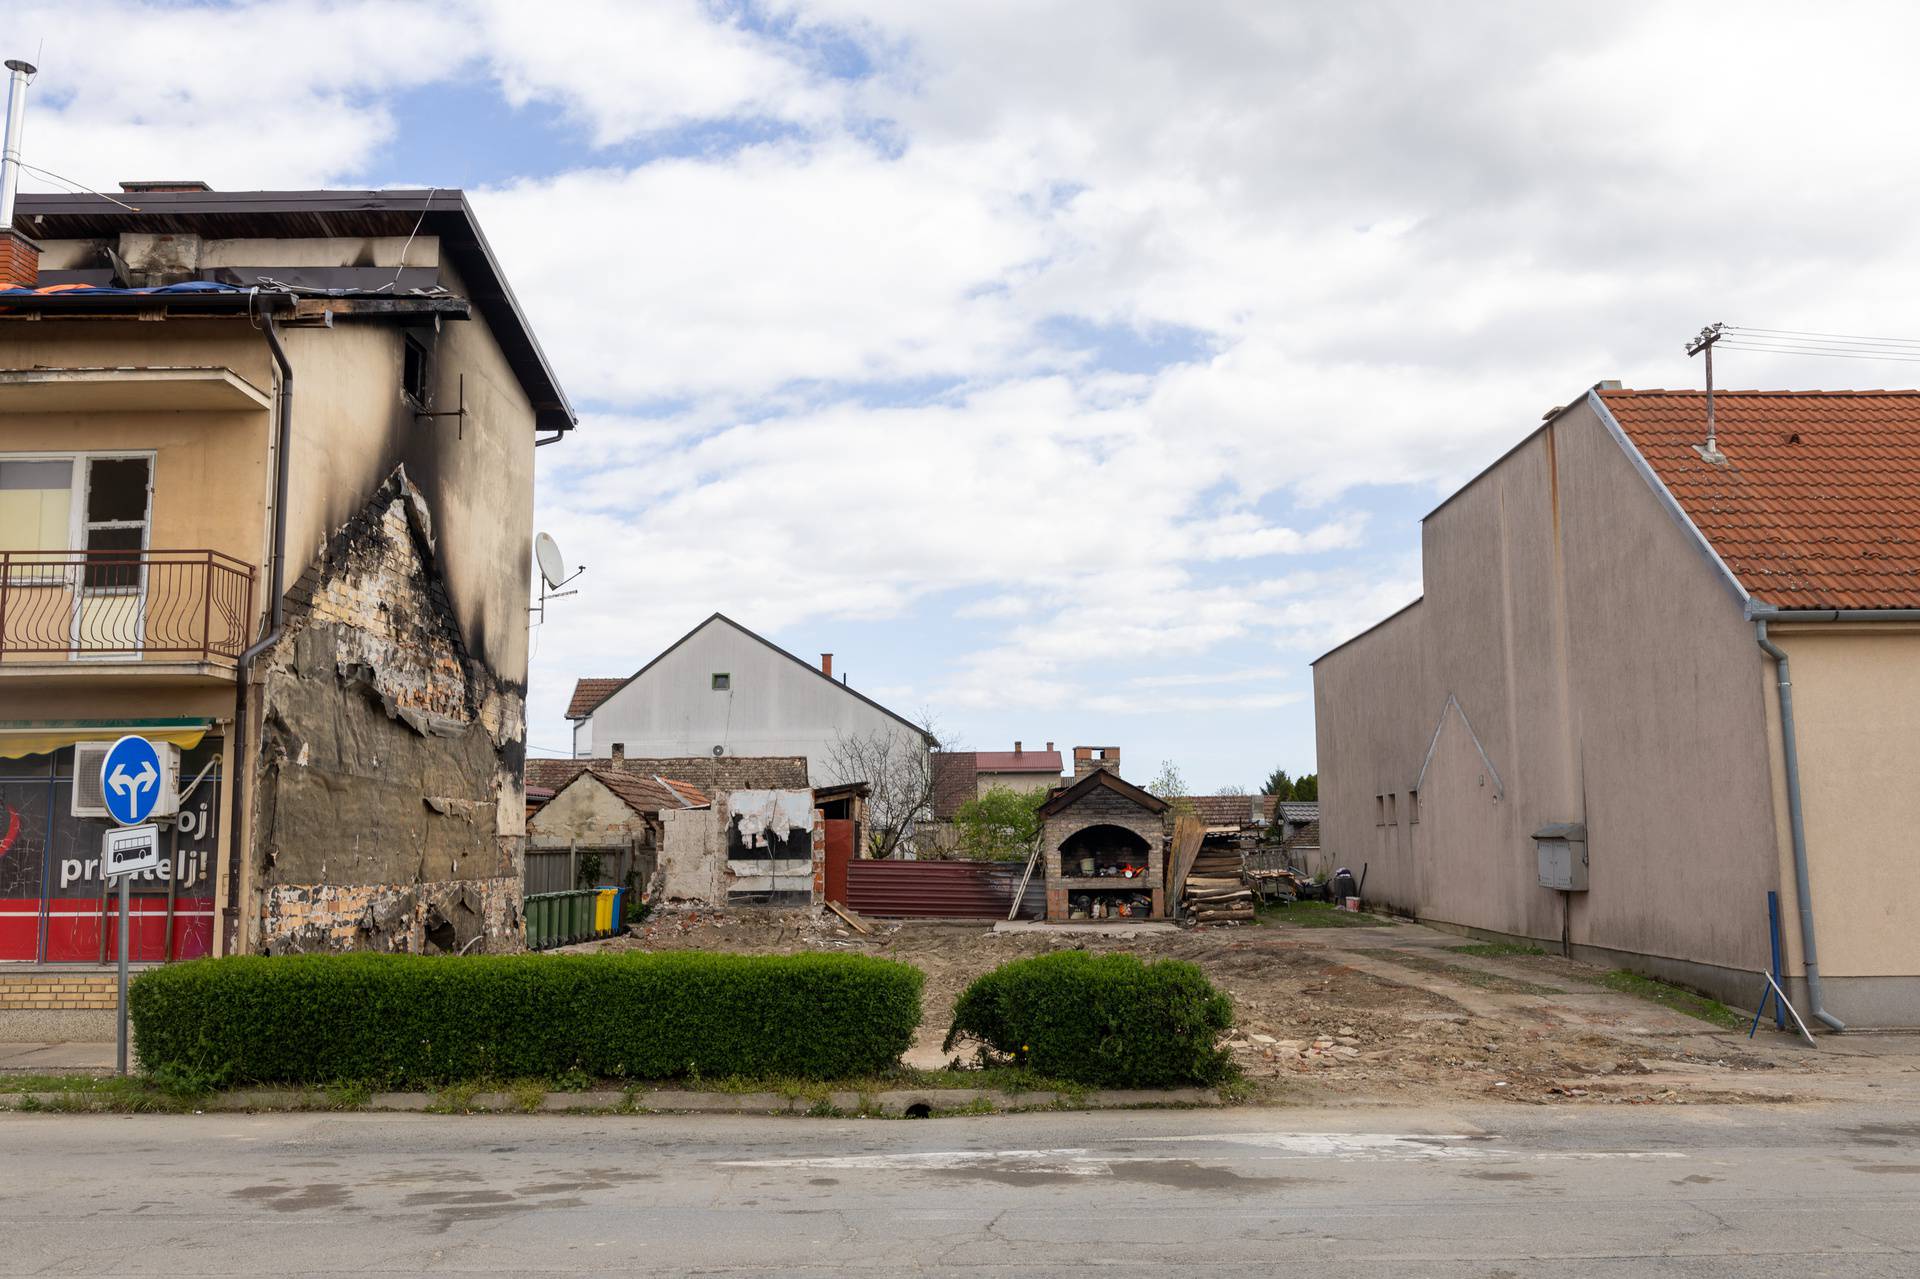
x=390, y=808
x=769, y=837
x=750, y=848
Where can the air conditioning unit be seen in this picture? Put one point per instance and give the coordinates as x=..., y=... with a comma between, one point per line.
x=89, y=799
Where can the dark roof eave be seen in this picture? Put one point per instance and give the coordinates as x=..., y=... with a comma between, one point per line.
x=445, y=214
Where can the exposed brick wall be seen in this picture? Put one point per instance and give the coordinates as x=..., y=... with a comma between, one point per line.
x=406, y=918
x=53, y=992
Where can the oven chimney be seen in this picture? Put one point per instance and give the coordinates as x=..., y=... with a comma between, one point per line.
x=618, y=752
x=19, y=256
x=826, y=665
x=1016, y=750
x=1092, y=759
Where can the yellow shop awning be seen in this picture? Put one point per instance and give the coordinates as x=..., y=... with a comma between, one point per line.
x=31, y=738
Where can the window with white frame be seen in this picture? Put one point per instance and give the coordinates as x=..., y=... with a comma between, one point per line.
x=100, y=503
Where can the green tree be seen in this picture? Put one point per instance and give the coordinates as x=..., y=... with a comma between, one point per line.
x=1280, y=786
x=1001, y=825
x=1307, y=788
x=1172, y=787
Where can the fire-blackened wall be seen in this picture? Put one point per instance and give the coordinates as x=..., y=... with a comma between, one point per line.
x=389, y=811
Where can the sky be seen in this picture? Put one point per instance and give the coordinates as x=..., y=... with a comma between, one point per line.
x=1073, y=370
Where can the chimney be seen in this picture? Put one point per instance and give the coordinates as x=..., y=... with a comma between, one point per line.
x=1016, y=750
x=826, y=665
x=1049, y=747
x=19, y=256
x=1092, y=759
x=619, y=752
x=164, y=184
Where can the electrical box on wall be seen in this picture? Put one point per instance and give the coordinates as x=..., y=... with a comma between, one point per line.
x=1562, y=849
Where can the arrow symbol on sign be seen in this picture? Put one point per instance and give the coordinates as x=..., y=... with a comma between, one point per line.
x=131, y=786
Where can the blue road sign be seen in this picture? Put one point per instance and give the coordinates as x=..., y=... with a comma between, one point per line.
x=130, y=780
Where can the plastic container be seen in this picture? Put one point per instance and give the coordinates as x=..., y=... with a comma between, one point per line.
x=1353, y=905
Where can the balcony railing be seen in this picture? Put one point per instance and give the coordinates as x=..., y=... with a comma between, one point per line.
x=130, y=605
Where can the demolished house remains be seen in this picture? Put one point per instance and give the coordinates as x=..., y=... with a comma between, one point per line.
x=266, y=487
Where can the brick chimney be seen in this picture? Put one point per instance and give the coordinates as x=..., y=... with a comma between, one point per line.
x=1049, y=747
x=826, y=665
x=1091, y=759
x=619, y=752
x=1016, y=750
x=19, y=261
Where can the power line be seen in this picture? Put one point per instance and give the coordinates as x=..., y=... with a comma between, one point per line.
x=1808, y=333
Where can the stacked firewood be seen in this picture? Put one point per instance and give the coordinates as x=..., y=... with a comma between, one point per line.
x=1217, y=899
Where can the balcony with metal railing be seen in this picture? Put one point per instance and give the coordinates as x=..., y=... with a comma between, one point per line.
x=156, y=613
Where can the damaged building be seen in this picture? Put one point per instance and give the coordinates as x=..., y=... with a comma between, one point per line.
x=266, y=495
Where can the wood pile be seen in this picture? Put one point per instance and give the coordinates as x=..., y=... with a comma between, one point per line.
x=1217, y=899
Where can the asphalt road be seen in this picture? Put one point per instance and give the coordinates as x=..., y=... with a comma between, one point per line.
x=1522, y=1191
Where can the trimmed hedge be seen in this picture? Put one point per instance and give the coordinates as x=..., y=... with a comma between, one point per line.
x=1105, y=1021
x=411, y=1019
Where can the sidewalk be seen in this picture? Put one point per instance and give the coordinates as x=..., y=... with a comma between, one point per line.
x=69, y=1058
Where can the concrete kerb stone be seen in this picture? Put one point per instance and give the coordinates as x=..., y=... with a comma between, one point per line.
x=892, y=1102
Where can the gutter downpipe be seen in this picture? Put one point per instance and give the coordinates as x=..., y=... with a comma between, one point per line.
x=1803, y=892
x=283, y=431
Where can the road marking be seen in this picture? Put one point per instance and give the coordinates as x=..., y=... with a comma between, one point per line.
x=1079, y=1161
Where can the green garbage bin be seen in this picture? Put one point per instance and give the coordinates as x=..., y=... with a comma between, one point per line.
x=582, y=904
x=534, y=911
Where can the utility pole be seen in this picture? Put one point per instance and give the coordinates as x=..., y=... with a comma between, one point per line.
x=1704, y=345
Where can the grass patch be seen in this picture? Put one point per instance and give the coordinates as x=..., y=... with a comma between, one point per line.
x=1462, y=974
x=1497, y=949
x=1683, y=1001
x=1319, y=915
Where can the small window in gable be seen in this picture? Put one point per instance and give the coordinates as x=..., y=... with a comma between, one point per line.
x=1413, y=808
x=722, y=681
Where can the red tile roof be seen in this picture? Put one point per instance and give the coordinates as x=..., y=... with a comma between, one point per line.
x=1230, y=810
x=1818, y=502
x=645, y=794
x=589, y=693
x=1024, y=762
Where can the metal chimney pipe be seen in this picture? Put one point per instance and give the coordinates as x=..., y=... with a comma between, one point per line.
x=17, y=73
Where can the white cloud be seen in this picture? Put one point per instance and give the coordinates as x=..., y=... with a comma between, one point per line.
x=1380, y=238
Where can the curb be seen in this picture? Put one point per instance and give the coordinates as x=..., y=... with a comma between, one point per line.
x=894, y=1103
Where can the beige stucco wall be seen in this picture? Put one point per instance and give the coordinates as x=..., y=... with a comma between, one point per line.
x=209, y=473
x=1599, y=670
x=586, y=812
x=1019, y=783
x=1856, y=702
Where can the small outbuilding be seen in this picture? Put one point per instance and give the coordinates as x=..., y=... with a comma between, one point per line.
x=1105, y=845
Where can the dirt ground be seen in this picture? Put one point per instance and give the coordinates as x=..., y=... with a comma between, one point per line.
x=1371, y=1014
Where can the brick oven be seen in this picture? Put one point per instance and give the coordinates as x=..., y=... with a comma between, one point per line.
x=1104, y=840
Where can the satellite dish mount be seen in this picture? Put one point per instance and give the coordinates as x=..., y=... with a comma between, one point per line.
x=553, y=573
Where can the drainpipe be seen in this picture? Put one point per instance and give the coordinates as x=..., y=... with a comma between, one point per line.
x=276, y=574
x=1790, y=750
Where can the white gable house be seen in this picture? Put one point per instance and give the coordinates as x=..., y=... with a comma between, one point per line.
x=722, y=690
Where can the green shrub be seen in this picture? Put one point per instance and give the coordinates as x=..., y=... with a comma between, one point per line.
x=1105, y=1021
x=414, y=1020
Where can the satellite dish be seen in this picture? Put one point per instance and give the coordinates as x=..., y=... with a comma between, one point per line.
x=547, y=552
x=718, y=751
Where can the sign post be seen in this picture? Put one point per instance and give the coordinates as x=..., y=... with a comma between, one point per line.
x=130, y=785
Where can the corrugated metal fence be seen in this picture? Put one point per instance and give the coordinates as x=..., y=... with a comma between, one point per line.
x=943, y=890
x=551, y=870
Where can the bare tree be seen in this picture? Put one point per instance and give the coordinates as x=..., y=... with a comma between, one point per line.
x=897, y=765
